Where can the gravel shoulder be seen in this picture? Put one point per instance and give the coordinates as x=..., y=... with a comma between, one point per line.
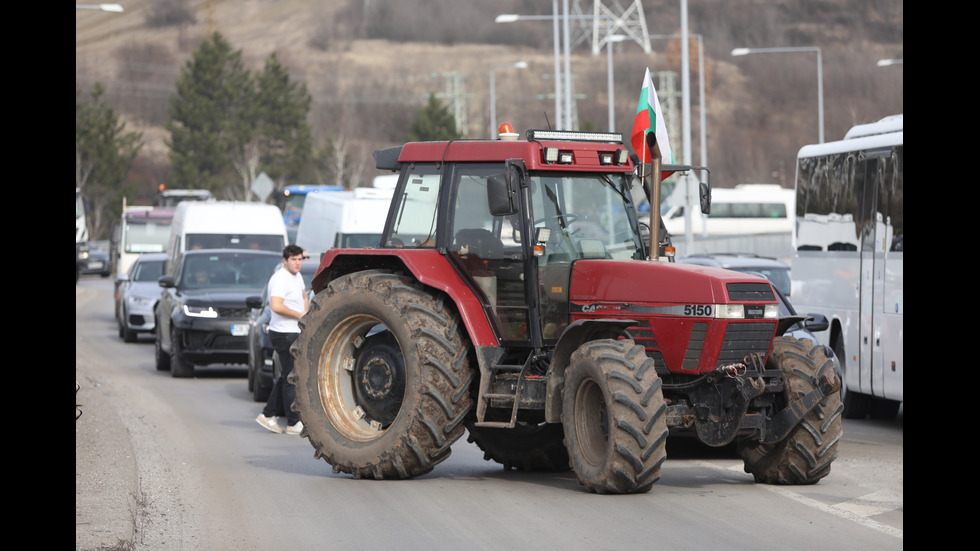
x=130, y=492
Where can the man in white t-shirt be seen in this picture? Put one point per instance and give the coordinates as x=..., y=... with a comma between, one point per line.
x=288, y=301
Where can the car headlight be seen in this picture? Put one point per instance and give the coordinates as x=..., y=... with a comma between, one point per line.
x=140, y=301
x=200, y=312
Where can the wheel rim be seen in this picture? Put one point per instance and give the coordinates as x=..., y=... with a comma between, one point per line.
x=342, y=391
x=379, y=378
x=591, y=422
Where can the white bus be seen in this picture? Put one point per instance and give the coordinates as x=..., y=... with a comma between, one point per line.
x=848, y=258
x=744, y=209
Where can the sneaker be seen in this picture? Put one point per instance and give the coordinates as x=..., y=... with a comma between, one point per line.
x=296, y=429
x=271, y=423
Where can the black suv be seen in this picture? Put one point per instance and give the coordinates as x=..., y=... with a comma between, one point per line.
x=202, y=318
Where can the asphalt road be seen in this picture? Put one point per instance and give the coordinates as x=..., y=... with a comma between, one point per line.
x=179, y=464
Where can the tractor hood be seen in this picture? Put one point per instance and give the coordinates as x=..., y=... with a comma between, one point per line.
x=633, y=281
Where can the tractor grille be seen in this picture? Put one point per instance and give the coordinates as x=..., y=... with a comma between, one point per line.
x=695, y=345
x=742, y=339
x=750, y=291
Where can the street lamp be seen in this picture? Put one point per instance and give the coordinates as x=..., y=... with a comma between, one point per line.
x=511, y=17
x=610, y=40
x=887, y=62
x=103, y=7
x=493, y=94
x=746, y=51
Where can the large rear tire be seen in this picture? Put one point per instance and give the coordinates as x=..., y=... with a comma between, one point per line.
x=386, y=406
x=614, y=416
x=526, y=447
x=805, y=455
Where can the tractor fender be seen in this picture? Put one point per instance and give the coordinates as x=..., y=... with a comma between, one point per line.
x=427, y=266
x=577, y=333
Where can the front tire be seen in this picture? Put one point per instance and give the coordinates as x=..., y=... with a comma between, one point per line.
x=127, y=334
x=179, y=367
x=162, y=358
x=614, y=416
x=805, y=455
x=385, y=407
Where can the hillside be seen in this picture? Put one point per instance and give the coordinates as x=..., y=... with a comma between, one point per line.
x=370, y=65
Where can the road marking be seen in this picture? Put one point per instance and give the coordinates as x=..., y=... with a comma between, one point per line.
x=856, y=510
x=845, y=510
x=872, y=504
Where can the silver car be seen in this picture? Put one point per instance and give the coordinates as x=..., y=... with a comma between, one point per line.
x=137, y=293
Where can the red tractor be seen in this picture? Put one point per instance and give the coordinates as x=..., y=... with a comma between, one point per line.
x=513, y=297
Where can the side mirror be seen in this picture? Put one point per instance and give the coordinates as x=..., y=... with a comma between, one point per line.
x=502, y=189
x=166, y=281
x=817, y=323
x=704, y=193
x=253, y=302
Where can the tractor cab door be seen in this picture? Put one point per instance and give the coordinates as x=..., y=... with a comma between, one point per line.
x=488, y=251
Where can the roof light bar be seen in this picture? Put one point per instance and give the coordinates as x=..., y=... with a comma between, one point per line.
x=570, y=136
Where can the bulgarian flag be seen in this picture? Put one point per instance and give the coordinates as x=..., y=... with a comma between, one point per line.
x=650, y=118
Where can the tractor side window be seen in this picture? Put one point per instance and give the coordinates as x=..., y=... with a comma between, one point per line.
x=473, y=225
x=417, y=208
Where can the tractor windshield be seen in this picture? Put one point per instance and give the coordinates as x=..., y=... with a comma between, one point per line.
x=587, y=215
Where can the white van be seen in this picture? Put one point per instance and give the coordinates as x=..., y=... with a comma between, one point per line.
x=224, y=225
x=744, y=209
x=348, y=219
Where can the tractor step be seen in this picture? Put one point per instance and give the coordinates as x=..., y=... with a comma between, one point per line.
x=491, y=391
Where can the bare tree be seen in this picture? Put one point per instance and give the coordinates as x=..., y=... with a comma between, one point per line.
x=246, y=161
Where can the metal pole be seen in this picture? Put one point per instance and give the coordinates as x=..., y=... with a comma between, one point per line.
x=558, y=109
x=493, y=108
x=704, y=124
x=686, y=121
x=568, y=69
x=820, y=90
x=609, y=78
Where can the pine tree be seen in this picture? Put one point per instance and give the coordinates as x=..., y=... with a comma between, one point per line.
x=433, y=122
x=283, y=135
x=212, y=116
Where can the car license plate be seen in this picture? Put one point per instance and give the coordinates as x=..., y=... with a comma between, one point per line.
x=239, y=329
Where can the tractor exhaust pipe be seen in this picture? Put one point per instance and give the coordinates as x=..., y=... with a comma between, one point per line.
x=655, y=158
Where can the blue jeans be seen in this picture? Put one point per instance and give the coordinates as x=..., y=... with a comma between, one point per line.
x=283, y=394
